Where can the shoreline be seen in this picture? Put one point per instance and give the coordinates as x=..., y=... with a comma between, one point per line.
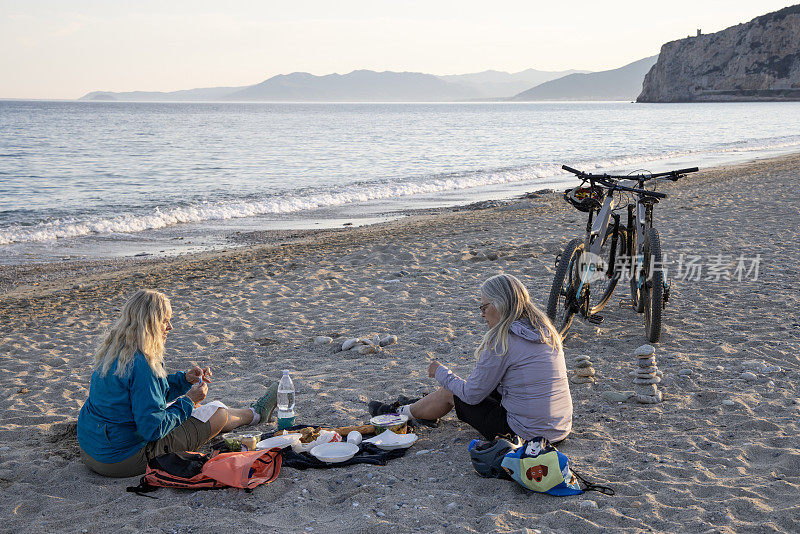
x=14, y=277
x=211, y=222
x=720, y=453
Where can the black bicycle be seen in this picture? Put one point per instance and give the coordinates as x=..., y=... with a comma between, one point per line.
x=589, y=269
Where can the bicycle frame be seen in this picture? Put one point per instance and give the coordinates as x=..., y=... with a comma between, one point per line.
x=596, y=230
x=576, y=288
x=637, y=225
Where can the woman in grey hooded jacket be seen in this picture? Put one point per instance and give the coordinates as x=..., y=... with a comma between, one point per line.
x=519, y=385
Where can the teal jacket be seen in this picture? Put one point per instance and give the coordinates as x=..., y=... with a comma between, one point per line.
x=122, y=415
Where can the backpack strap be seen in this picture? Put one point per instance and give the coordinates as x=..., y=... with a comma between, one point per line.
x=142, y=489
x=589, y=486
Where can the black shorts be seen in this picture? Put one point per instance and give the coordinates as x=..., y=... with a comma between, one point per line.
x=487, y=417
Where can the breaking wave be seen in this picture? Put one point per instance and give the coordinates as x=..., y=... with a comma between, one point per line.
x=164, y=216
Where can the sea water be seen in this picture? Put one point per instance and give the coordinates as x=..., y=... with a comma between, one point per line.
x=92, y=179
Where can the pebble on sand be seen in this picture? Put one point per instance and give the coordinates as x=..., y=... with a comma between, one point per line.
x=350, y=343
x=368, y=349
x=646, y=389
x=582, y=379
x=647, y=362
x=750, y=377
x=388, y=340
x=647, y=376
x=323, y=340
x=617, y=396
x=649, y=399
x=652, y=380
x=584, y=374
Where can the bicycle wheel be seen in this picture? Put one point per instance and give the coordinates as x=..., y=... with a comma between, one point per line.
x=605, y=281
x=636, y=273
x=653, y=287
x=562, y=303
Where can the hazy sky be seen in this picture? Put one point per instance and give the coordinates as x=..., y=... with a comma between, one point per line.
x=66, y=48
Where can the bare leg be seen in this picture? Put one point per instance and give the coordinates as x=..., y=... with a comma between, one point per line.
x=433, y=406
x=237, y=417
x=218, y=421
x=226, y=419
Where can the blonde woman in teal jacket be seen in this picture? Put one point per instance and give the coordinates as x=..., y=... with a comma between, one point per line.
x=135, y=410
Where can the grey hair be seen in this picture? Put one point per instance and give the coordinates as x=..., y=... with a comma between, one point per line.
x=512, y=301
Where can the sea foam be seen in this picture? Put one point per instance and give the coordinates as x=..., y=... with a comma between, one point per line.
x=315, y=198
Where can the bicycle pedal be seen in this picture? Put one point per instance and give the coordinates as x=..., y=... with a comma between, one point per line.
x=595, y=319
x=623, y=303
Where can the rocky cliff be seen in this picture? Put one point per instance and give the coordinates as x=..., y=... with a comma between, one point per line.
x=758, y=60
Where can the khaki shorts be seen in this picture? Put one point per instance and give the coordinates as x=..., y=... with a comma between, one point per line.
x=187, y=437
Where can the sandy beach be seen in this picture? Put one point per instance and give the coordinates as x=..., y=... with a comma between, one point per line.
x=719, y=454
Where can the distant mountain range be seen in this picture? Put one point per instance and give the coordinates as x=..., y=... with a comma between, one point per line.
x=497, y=84
x=357, y=86
x=371, y=86
x=187, y=95
x=624, y=83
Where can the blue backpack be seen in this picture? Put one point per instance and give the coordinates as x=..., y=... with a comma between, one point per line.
x=535, y=464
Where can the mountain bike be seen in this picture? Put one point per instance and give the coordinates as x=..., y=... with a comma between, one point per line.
x=589, y=269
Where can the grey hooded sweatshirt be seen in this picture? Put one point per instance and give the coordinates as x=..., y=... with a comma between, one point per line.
x=531, y=378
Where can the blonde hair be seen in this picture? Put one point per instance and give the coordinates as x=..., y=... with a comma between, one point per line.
x=138, y=329
x=512, y=301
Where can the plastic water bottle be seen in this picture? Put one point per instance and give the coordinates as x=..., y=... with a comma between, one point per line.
x=285, y=401
x=286, y=393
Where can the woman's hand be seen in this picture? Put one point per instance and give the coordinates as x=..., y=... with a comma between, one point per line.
x=434, y=365
x=197, y=393
x=194, y=374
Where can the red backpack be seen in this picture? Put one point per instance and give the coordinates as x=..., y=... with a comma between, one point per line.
x=194, y=470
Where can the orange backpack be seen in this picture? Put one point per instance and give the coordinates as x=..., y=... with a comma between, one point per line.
x=194, y=470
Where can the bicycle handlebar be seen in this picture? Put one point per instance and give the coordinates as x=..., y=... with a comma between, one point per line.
x=674, y=175
x=616, y=187
x=607, y=180
x=686, y=171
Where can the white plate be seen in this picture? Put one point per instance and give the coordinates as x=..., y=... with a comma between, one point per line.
x=389, y=440
x=389, y=419
x=336, y=452
x=278, y=441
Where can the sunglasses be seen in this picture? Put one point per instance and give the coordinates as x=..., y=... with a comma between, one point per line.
x=483, y=307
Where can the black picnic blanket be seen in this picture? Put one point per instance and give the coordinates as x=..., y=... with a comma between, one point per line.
x=367, y=454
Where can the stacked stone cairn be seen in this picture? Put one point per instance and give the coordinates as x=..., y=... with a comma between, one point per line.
x=647, y=376
x=584, y=372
